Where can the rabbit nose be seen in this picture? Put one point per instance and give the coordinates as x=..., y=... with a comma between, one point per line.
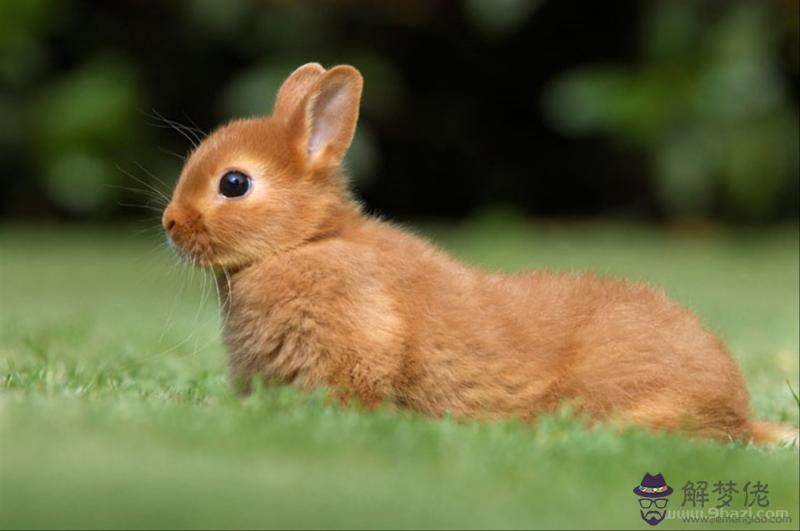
x=169, y=220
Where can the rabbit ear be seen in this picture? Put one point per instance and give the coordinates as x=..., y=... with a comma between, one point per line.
x=295, y=88
x=328, y=120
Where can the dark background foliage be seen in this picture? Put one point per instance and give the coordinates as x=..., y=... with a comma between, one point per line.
x=653, y=110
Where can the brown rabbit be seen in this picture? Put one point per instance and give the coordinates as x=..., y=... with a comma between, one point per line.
x=319, y=294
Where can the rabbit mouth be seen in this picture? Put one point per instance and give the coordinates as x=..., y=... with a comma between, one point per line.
x=187, y=235
x=200, y=255
x=196, y=249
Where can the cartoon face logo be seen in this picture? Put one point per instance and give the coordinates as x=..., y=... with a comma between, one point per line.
x=653, y=492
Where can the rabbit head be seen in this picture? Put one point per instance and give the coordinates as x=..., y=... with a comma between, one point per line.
x=265, y=185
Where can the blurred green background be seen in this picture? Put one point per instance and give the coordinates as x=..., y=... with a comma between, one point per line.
x=651, y=140
x=656, y=110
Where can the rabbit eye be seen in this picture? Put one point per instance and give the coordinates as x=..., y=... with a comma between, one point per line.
x=234, y=184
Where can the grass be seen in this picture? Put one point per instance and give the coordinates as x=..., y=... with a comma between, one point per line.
x=115, y=410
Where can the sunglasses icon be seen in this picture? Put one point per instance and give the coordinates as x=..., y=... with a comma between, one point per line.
x=647, y=503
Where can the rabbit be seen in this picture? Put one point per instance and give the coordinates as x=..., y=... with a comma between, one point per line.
x=318, y=294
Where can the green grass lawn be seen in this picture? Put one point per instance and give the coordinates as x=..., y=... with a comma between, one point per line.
x=115, y=409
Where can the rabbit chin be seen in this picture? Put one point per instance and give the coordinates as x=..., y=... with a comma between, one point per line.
x=196, y=250
x=210, y=257
x=195, y=255
x=199, y=249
